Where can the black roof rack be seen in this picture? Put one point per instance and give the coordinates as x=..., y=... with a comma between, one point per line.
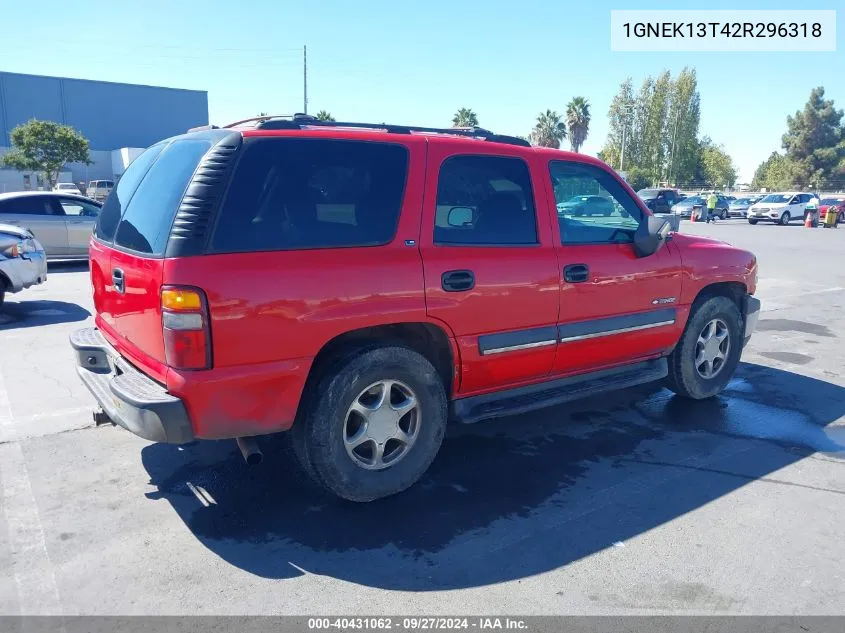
x=298, y=121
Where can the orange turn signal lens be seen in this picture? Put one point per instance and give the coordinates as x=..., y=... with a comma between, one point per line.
x=178, y=299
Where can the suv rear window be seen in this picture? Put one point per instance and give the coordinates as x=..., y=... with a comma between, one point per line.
x=116, y=202
x=145, y=226
x=312, y=193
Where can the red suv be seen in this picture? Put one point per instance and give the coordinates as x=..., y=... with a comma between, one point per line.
x=360, y=285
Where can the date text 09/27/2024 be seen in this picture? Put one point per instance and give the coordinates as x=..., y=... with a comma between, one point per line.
x=664, y=30
x=416, y=624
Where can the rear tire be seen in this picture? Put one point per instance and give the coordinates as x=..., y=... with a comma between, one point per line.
x=359, y=399
x=752, y=221
x=688, y=374
x=785, y=218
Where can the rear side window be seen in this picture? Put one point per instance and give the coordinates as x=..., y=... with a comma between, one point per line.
x=485, y=201
x=145, y=226
x=119, y=198
x=312, y=193
x=31, y=205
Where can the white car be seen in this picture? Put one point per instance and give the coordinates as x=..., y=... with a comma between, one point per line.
x=23, y=262
x=67, y=187
x=781, y=208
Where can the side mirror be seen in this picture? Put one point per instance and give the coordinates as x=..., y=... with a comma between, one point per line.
x=651, y=235
x=460, y=217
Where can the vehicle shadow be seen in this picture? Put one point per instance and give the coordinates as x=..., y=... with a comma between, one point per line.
x=59, y=266
x=510, y=498
x=23, y=314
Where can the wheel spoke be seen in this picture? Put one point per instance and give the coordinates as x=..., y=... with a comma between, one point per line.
x=358, y=438
x=361, y=409
x=708, y=367
x=378, y=454
x=384, y=396
x=409, y=404
x=402, y=436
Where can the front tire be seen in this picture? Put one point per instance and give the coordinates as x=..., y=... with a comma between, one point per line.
x=705, y=358
x=750, y=221
x=374, y=424
x=785, y=218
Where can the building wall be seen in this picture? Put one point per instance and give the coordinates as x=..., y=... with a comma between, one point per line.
x=109, y=115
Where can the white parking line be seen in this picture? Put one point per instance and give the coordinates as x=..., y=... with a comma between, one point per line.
x=38, y=592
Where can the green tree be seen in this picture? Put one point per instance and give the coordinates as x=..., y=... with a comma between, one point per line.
x=620, y=118
x=578, y=122
x=659, y=125
x=815, y=141
x=465, y=117
x=323, y=115
x=717, y=167
x=46, y=146
x=682, y=127
x=777, y=172
x=549, y=130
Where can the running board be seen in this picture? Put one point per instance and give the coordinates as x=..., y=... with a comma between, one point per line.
x=554, y=392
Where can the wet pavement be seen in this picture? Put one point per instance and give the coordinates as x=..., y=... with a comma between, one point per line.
x=637, y=502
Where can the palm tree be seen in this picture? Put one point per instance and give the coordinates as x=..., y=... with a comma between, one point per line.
x=549, y=131
x=465, y=117
x=322, y=115
x=578, y=122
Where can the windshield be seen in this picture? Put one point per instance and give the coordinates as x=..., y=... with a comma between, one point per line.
x=66, y=185
x=740, y=202
x=648, y=193
x=777, y=197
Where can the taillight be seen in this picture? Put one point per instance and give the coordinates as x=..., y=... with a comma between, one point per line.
x=184, y=320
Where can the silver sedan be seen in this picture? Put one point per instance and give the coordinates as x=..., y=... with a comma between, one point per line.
x=62, y=223
x=23, y=262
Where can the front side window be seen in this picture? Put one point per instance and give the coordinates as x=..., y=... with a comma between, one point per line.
x=79, y=208
x=485, y=201
x=312, y=193
x=592, y=206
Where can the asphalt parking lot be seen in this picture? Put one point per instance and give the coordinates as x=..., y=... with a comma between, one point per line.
x=632, y=503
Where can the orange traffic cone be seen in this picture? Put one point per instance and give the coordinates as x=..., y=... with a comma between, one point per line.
x=808, y=221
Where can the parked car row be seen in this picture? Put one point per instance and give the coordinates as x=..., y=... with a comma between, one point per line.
x=780, y=208
x=96, y=189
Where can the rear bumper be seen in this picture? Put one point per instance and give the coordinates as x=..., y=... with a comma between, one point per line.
x=751, y=313
x=129, y=397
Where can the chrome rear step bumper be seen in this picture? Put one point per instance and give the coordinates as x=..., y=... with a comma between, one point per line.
x=131, y=399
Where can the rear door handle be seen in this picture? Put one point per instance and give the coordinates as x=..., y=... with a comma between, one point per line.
x=457, y=280
x=118, y=280
x=576, y=273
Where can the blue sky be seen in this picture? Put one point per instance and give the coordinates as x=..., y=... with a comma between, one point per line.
x=412, y=62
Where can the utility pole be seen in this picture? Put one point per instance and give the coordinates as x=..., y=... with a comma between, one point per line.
x=626, y=109
x=672, y=158
x=304, y=79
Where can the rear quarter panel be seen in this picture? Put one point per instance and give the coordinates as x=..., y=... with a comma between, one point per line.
x=271, y=313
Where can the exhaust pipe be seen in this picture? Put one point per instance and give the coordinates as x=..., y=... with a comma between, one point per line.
x=249, y=449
